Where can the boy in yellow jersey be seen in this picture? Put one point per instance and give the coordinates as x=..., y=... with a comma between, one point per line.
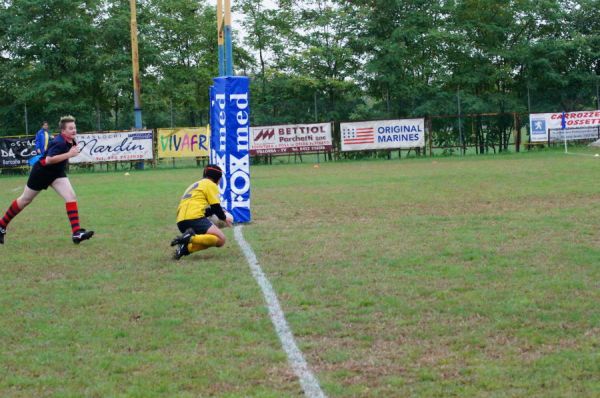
x=199, y=201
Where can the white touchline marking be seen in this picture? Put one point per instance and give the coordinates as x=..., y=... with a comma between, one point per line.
x=308, y=381
x=580, y=154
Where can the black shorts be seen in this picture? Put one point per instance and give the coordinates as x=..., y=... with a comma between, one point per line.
x=42, y=177
x=199, y=225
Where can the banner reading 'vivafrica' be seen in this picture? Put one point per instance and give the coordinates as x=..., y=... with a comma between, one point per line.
x=15, y=152
x=114, y=146
x=183, y=142
x=383, y=134
x=230, y=142
x=540, y=123
x=291, y=138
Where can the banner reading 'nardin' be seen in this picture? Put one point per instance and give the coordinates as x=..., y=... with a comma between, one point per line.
x=114, y=146
x=230, y=142
x=383, y=134
x=291, y=138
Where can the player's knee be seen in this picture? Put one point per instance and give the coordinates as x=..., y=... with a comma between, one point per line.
x=221, y=241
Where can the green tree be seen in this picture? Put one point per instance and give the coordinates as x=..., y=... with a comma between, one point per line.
x=182, y=37
x=49, y=52
x=114, y=100
x=306, y=43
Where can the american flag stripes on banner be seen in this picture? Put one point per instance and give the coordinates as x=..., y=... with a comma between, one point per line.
x=360, y=135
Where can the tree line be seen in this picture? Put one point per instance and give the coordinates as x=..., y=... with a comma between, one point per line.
x=311, y=60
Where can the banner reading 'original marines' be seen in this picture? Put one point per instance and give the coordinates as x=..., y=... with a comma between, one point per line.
x=383, y=134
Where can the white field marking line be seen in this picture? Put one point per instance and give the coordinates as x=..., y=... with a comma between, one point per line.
x=16, y=189
x=589, y=155
x=308, y=381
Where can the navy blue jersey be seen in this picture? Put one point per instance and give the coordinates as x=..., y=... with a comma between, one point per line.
x=57, y=146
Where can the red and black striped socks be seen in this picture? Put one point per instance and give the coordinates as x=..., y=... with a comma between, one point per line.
x=12, y=211
x=73, y=215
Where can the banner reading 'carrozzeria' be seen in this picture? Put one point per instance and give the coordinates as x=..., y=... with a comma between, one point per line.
x=114, y=146
x=291, y=138
x=183, y=142
x=541, y=123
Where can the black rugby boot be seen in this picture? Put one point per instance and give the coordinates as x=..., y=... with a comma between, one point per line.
x=82, y=235
x=183, y=239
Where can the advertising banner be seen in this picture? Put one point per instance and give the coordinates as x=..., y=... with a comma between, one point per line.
x=114, y=146
x=383, y=134
x=291, y=138
x=185, y=142
x=574, y=134
x=540, y=123
x=15, y=152
x=230, y=142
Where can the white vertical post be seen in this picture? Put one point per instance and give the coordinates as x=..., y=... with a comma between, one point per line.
x=26, y=120
x=462, y=147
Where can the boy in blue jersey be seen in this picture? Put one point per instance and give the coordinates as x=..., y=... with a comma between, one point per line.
x=49, y=171
x=199, y=201
x=43, y=138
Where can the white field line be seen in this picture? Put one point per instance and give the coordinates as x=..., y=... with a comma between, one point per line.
x=589, y=155
x=308, y=381
x=16, y=189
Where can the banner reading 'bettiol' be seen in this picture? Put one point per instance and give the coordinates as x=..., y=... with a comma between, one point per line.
x=183, y=142
x=291, y=138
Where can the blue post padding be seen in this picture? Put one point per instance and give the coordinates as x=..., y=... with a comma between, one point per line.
x=228, y=51
x=221, y=60
x=230, y=142
x=137, y=113
x=212, y=118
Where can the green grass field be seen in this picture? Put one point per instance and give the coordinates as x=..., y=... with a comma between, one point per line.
x=445, y=277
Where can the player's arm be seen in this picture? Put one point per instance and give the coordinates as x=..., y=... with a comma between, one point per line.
x=74, y=151
x=215, y=204
x=217, y=210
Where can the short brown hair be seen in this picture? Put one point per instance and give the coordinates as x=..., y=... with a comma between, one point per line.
x=64, y=120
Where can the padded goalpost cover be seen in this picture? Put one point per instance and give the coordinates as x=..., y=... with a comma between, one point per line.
x=230, y=142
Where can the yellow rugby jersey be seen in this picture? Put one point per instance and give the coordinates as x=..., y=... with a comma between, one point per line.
x=196, y=199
